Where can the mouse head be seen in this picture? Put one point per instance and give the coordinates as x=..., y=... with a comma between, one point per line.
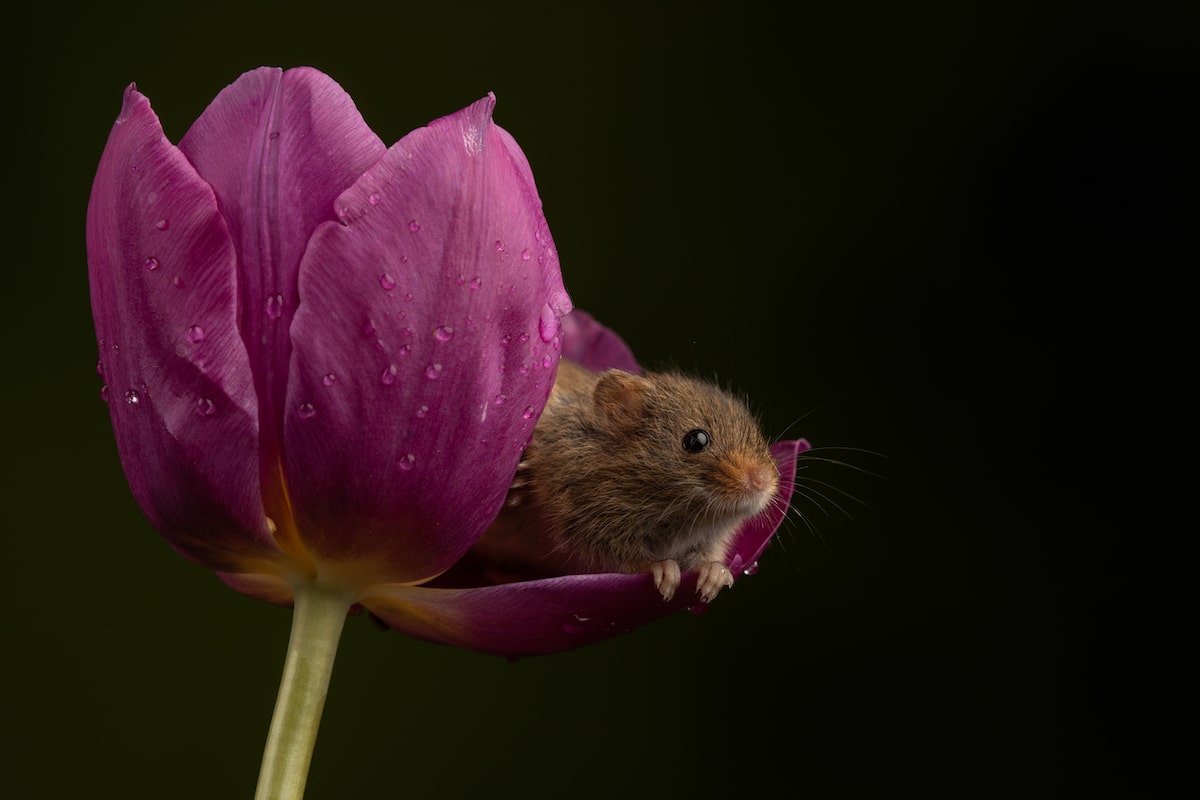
x=699, y=438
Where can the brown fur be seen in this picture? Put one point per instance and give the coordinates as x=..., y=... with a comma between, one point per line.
x=606, y=484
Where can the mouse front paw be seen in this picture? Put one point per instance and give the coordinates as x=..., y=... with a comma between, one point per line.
x=666, y=577
x=712, y=578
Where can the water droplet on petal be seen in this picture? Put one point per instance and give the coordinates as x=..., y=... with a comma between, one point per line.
x=195, y=334
x=443, y=333
x=751, y=569
x=408, y=297
x=526, y=254
x=405, y=349
x=500, y=399
x=406, y=463
x=387, y=282
x=414, y=226
x=273, y=135
x=152, y=263
x=529, y=412
x=329, y=379
x=204, y=407
x=275, y=306
x=132, y=397
x=163, y=224
x=460, y=280
x=548, y=362
x=476, y=283
x=104, y=392
x=433, y=371
x=499, y=245
x=422, y=411
x=373, y=198
x=524, y=337
x=306, y=411
x=548, y=324
x=178, y=281
x=388, y=377
x=576, y=623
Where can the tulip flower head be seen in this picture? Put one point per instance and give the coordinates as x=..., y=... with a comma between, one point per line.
x=323, y=356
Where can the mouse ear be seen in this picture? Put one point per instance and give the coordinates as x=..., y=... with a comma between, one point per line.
x=620, y=396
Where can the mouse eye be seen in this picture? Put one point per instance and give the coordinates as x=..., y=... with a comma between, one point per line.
x=697, y=441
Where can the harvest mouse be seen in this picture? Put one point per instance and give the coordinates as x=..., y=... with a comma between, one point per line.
x=634, y=473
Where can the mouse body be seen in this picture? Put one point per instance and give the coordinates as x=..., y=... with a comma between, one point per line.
x=634, y=473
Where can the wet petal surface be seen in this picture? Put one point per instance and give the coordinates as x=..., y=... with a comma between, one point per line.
x=425, y=345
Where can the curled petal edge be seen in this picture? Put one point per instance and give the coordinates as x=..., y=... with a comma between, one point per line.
x=563, y=613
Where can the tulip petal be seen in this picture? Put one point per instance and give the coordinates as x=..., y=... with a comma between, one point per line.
x=592, y=345
x=556, y=614
x=278, y=148
x=180, y=391
x=424, y=348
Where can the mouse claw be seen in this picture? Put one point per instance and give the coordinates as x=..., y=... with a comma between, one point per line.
x=666, y=577
x=713, y=577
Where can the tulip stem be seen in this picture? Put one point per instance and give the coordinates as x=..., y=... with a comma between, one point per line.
x=317, y=621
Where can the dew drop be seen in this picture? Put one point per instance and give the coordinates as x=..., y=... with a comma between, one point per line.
x=131, y=397
x=104, y=392
x=275, y=306
x=329, y=379
x=506, y=339
x=414, y=226
x=405, y=349
x=547, y=324
x=433, y=371
x=500, y=400
x=387, y=282
x=751, y=569
x=408, y=297
x=499, y=245
x=443, y=333
x=576, y=623
x=524, y=337
x=406, y=463
x=422, y=411
x=178, y=281
x=380, y=345
x=548, y=362
x=388, y=377
x=306, y=411
x=373, y=198
x=407, y=333
x=529, y=412
x=163, y=224
x=476, y=283
x=526, y=254
x=460, y=280
x=99, y=367
x=204, y=407
x=273, y=135
x=152, y=263
x=195, y=334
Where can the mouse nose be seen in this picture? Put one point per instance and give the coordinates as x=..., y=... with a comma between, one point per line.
x=762, y=478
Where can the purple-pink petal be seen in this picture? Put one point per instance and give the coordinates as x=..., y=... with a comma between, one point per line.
x=555, y=614
x=594, y=346
x=178, y=382
x=424, y=347
x=278, y=148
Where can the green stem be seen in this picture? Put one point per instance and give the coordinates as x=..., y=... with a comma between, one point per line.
x=320, y=612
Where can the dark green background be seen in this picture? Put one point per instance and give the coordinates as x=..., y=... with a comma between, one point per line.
x=954, y=237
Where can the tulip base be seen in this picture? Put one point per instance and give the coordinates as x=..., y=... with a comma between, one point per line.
x=317, y=622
